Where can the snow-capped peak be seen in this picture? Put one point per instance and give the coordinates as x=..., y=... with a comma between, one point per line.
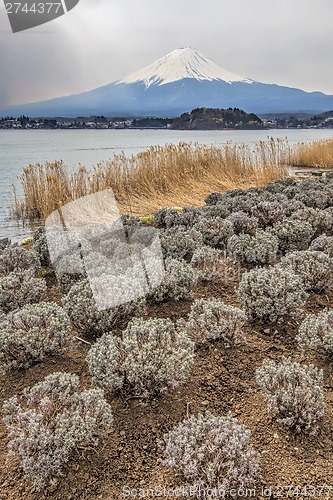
x=183, y=63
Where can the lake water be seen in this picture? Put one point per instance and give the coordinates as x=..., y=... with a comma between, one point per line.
x=19, y=148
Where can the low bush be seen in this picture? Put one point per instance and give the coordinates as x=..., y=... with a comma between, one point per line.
x=212, y=452
x=259, y=249
x=316, y=332
x=215, y=231
x=14, y=258
x=221, y=210
x=31, y=333
x=267, y=213
x=314, y=198
x=187, y=217
x=243, y=223
x=40, y=246
x=50, y=421
x=293, y=234
x=179, y=280
x=320, y=220
x=212, y=319
x=273, y=294
x=314, y=268
x=151, y=356
x=82, y=309
x=180, y=243
x=294, y=394
x=323, y=244
x=213, y=265
x=19, y=288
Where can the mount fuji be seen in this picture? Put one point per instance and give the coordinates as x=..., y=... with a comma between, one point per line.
x=178, y=82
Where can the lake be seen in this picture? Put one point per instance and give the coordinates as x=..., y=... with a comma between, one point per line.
x=19, y=148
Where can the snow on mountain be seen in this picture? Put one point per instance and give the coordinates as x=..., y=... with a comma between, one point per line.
x=180, y=64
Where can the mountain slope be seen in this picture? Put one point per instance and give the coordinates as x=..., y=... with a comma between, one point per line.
x=179, y=82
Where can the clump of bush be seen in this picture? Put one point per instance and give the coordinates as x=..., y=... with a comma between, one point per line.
x=31, y=333
x=316, y=332
x=267, y=213
x=212, y=319
x=49, y=422
x=293, y=234
x=40, y=246
x=151, y=357
x=179, y=280
x=212, y=452
x=81, y=307
x=14, y=258
x=213, y=265
x=170, y=217
x=179, y=242
x=215, y=231
x=323, y=244
x=271, y=294
x=243, y=223
x=314, y=268
x=320, y=220
x=259, y=249
x=221, y=210
x=294, y=394
x=19, y=288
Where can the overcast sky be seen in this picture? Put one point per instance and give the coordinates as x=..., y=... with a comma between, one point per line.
x=288, y=42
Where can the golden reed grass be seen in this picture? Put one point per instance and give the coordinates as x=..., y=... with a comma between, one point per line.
x=316, y=154
x=162, y=176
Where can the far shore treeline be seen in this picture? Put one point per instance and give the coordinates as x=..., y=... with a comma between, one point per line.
x=197, y=119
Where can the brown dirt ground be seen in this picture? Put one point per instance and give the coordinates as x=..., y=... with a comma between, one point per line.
x=221, y=381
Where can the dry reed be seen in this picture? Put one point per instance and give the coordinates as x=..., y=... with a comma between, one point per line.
x=316, y=154
x=172, y=175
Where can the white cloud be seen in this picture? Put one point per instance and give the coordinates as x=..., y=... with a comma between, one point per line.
x=275, y=41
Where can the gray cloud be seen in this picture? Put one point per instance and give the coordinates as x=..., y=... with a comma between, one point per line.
x=274, y=41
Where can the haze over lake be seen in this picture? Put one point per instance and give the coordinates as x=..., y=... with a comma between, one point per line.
x=19, y=148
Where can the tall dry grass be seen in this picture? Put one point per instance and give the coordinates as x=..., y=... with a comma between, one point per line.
x=172, y=175
x=316, y=154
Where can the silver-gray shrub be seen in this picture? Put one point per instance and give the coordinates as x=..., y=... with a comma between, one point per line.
x=314, y=198
x=31, y=333
x=219, y=210
x=215, y=231
x=214, y=198
x=323, y=244
x=213, y=265
x=16, y=258
x=212, y=319
x=213, y=452
x=280, y=185
x=179, y=280
x=163, y=214
x=294, y=393
x=316, y=332
x=320, y=220
x=81, y=307
x=291, y=206
x=50, y=421
x=187, y=217
x=40, y=246
x=271, y=294
x=19, y=288
x=179, y=242
x=267, y=213
x=315, y=269
x=151, y=356
x=259, y=249
x=243, y=223
x=293, y=234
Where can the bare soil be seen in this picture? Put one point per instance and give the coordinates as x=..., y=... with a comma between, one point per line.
x=222, y=380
